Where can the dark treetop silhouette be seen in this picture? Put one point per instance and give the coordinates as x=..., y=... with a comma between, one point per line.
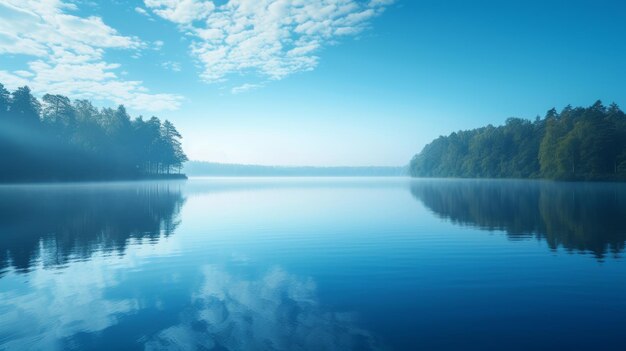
x=575, y=144
x=58, y=139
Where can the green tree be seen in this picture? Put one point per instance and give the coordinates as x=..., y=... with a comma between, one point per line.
x=5, y=101
x=173, y=152
x=59, y=113
x=24, y=106
x=568, y=155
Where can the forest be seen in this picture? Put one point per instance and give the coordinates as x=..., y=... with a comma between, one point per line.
x=57, y=139
x=582, y=143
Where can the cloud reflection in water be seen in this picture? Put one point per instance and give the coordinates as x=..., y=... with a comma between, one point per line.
x=278, y=311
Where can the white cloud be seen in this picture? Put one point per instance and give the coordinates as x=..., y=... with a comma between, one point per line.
x=374, y=3
x=181, y=11
x=275, y=38
x=172, y=66
x=244, y=87
x=141, y=11
x=158, y=44
x=68, y=55
x=25, y=74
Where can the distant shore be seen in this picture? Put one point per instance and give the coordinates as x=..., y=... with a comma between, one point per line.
x=208, y=169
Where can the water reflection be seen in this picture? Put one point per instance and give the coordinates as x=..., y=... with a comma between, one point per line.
x=53, y=224
x=275, y=311
x=580, y=217
x=98, y=266
x=279, y=264
x=53, y=308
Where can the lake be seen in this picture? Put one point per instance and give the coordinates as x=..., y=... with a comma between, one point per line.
x=313, y=264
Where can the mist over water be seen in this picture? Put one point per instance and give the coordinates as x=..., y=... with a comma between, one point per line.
x=312, y=264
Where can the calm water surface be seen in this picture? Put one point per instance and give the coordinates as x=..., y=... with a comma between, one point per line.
x=313, y=264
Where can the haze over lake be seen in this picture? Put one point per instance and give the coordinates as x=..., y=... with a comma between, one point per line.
x=312, y=175
x=313, y=264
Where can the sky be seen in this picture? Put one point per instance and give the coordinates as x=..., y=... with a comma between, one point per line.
x=318, y=82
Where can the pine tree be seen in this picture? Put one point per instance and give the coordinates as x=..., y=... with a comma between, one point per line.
x=24, y=106
x=5, y=102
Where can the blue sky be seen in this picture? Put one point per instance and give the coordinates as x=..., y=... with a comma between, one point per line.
x=318, y=82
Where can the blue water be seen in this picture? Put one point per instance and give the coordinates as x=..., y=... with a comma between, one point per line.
x=313, y=264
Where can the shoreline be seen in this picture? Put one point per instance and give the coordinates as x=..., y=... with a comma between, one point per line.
x=96, y=180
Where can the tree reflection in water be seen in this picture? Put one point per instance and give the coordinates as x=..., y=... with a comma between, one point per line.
x=580, y=217
x=55, y=224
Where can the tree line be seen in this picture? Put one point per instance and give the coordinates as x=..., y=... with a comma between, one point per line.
x=582, y=143
x=59, y=139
